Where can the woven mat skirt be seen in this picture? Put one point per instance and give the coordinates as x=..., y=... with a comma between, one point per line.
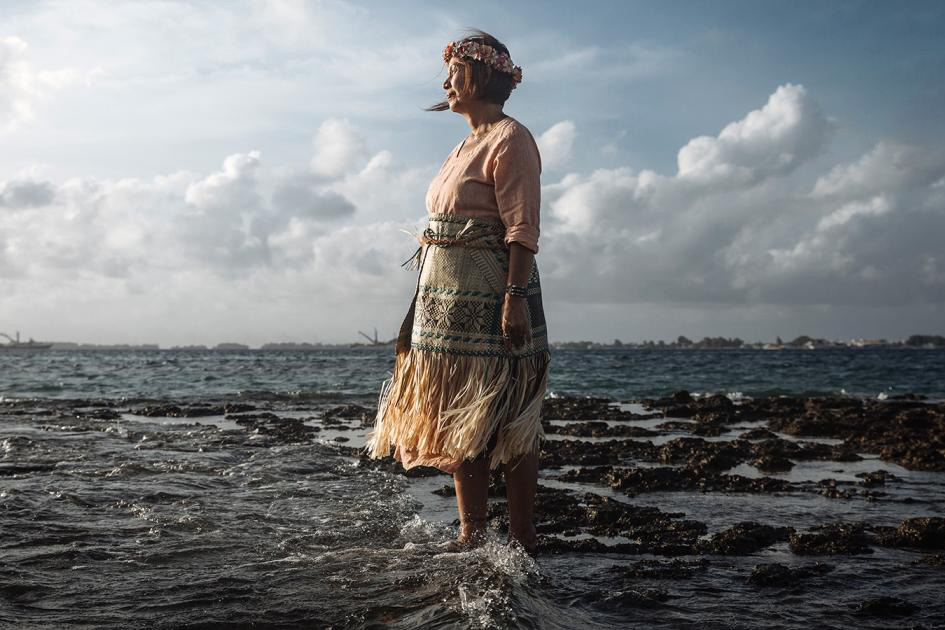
x=455, y=385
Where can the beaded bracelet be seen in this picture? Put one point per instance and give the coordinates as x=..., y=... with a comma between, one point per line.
x=516, y=290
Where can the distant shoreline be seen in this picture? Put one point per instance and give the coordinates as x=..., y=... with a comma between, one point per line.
x=553, y=346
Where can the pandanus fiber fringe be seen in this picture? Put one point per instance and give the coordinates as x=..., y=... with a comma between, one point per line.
x=439, y=409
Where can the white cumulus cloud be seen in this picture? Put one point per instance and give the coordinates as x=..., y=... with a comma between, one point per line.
x=556, y=143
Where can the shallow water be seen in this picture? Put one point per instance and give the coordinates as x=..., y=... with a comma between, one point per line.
x=197, y=523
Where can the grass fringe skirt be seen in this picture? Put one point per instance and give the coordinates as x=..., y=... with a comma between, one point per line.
x=455, y=386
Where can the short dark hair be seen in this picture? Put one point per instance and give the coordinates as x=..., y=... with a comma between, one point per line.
x=481, y=80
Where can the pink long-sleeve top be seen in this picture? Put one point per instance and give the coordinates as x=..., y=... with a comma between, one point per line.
x=499, y=176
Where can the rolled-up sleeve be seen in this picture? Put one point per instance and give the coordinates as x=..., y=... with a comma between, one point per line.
x=517, y=168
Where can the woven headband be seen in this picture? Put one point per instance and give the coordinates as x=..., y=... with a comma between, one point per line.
x=484, y=53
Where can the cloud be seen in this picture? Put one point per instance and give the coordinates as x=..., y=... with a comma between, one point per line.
x=556, y=143
x=17, y=194
x=731, y=228
x=887, y=165
x=194, y=248
x=337, y=148
x=22, y=87
x=623, y=61
x=314, y=247
x=773, y=140
x=303, y=195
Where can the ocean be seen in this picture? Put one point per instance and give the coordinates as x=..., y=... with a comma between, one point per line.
x=357, y=373
x=209, y=489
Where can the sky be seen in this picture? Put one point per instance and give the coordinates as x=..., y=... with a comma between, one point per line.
x=203, y=172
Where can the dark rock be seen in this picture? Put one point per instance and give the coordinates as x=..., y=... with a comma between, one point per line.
x=675, y=569
x=832, y=539
x=633, y=481
x=886, y=606
x=876, y=478
x=744, y=538
x=677, y=425
x=598, y=429
x=924, y=532
x=703, y=455
x=585, y=408
x=252, y=419
x=777, y=574
x=229, y=408
x=758, y=434
x=771, y=462
x=175, y=411
x=8, y=469
x=98, y=414
x=932, y=560
x=678, y=411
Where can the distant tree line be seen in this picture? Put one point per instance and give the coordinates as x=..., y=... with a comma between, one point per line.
x=936, y=341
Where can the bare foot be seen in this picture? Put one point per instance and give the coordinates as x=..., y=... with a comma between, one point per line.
x=471, y=535
x=527, y=539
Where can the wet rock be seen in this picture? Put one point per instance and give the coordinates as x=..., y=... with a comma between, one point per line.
x=876, y=478
x=569, y=514
x=598, y=429
x=776, y=574
x=351, y=412
x=677, y=425
x=832, y=539
x=703, y=455
x=744, y=538
x=8, y=469
x=758, y=434
x=714, y=404
x=585, y=408
x=229, y=408
x=772, y=462
x=281, y=430
x=98, y=414
x=252, y=418
x=932, y=560
x=631, y=598
x=557, y=453
x=633, y=481
x=709, y=429
x=389, y=464
x=916, y=456
x=339, y=417
x=675, y=569
x=555, y=546
x=175, y=411
x=924, y=532
x=678, y=411
x=831, y=488
x=886, y=606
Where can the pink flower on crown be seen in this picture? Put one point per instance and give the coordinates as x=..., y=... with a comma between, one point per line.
x=484, y=53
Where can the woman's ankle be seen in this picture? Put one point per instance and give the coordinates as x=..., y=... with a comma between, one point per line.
x=473, y=526
x=525, y=536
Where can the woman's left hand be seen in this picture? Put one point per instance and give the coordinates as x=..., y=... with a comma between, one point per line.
x=515, y=329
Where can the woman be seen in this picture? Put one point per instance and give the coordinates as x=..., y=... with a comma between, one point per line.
x=472, y=357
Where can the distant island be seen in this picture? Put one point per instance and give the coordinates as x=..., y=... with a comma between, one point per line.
x=799, y=343
x=803, y=342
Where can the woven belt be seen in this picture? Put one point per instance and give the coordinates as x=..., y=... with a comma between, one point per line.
x=465, y=238
x=470, y=237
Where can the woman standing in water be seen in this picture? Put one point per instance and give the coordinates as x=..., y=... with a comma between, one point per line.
x=472, y=357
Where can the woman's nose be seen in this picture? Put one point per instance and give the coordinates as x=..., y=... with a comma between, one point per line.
x=446, y=84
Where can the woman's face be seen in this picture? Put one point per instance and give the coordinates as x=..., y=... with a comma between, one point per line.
x=454, y=83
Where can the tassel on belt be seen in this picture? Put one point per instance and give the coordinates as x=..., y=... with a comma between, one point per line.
x=469, y=236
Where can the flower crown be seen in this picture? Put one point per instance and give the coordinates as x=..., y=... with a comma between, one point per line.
x=484, y=53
